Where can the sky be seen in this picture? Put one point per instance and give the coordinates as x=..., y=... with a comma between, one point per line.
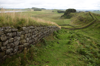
x=52, y=4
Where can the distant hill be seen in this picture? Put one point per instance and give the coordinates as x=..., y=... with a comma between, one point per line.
x=38, y=9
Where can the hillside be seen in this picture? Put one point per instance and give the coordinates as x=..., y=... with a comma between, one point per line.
x=19, y=20
x=65, y=47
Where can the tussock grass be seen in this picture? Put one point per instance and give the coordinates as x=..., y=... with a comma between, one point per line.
x=81, y=19
x=18, y=20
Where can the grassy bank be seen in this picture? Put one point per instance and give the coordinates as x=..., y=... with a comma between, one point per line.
x=19, y=19
x=64, y=47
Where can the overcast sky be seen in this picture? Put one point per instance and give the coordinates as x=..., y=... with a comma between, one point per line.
x=51, y=4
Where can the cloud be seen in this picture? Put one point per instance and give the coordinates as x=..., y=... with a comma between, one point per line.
x=51, y=4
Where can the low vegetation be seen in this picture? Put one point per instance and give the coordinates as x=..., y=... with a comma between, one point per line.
x=64, y=47
x=19, y=20
x=81, y=19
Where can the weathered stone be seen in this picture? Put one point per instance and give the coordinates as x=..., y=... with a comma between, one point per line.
x=5, y=43
x=14, y=29
x=7, y=27
x=11, y=40
x=2, y=54
x=17, y=38
x=15, y=49
x=30, y=41
x=8, y=51
x=16, y=43
x=19, y=33
x=14, y=34
x=26, y=44
x=3, y=48
x=3, y=37
x=23, y=32
x=31, y=27
x=27, y=39
x=22, y=41
x=33, y=36
x=22, y=36
x=12, y=45
x=9, y=34
x=8, y=30
x=26, y=35
x=1, y=32
x=26, y=31
x=8, y=46
x=24, y=28
x=30, y=30
x=29, y=34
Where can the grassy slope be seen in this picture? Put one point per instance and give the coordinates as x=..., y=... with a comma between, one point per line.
x=49, y=16
x=63, y=48
x=23, y=19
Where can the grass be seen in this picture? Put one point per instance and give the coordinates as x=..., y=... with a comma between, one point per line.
x=19, y=20
x=97, y=12
x=81, y=19
x=63, y=47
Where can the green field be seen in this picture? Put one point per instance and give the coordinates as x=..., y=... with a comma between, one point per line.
x=64, y=47
x=97, y=12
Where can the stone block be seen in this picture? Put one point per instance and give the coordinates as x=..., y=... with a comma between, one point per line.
x=23, y=41
x=26, y=35
x=17, y=39
x=11, y=40
x=26, y=31
x=19, y=33
x=22, y=37
x=14, y=34
x=31, y=27
x=24, y=28
x=15, y=49
x=7, y=29
x=8, y=46
x=29, y=34
x=27, y=39
x=5, y=43
x=16, y=43
x=3, y=37
x=9, y=34
x=8, y=51
x=3, y=48
x=12, y=45
x=30, y=30
x=14, y=30
x=26, y=44
x=1, y=32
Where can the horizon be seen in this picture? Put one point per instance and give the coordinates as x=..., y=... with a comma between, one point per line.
x=52, y=4
x=59, y=9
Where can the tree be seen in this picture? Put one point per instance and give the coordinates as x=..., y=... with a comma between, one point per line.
x=67, y=13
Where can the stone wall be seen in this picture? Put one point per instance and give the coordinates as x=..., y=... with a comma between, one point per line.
x=14, y=40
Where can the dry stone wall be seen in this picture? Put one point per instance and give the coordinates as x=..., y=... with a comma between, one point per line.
x=13, y=40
